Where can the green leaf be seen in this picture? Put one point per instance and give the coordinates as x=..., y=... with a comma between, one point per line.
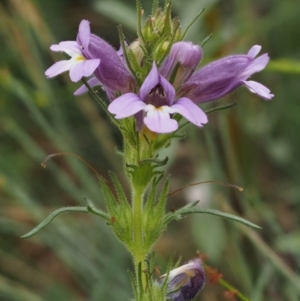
x=119, y=189
x=92, y=209
x=52, y=216
x=184, y=211
x=110, y=199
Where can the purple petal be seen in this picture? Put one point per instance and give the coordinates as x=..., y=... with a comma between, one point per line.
x=255, y=66
x=89, y=66
x=159, y=121
x=258, y=89
x=59, y=67
x=150, y=82
x=112, y=72
x=76, y=71
x=223, y=69
x=126, y=105
x=69, y=47
x=92, y=82
x=83, y=37
x=189, y=111
x=83, y=68
x=254, y=51
x=169, y=90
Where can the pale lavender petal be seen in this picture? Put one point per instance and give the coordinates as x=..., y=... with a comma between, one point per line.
x=59, y=67
x=150, y=82
x=126, y=105
x=83, y=68
x=254, y=51
x=255, y=66
x=89, y=66
x=83, y=37
x=159, y=121
x=258, y=89
x=92, y=82
x=69, y=47
x=189, y=111
x=76, y=71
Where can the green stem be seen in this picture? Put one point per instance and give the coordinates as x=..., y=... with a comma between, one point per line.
x=138, y=252
x=231, y=288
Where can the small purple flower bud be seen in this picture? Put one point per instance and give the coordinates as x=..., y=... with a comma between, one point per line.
x=183, y=59
x=186, y=282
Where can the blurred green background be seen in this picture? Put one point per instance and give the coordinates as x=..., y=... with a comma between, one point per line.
x=254, y=145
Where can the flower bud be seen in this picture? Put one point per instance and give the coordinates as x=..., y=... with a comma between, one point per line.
x=137, y=50
x=181, y=62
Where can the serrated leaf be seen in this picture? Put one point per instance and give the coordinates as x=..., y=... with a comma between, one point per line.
x=110, y=199
x=119, y=189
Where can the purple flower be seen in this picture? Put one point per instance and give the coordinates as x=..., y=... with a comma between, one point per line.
x=156, y=99
x=92, y=55
x=221, y=77
x=186, y=282
x=80, y=64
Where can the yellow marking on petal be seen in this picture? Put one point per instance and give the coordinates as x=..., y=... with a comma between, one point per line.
x=79, y=58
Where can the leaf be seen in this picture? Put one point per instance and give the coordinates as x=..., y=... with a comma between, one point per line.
x=221, y=214
x=54, y=214
x=186, y=210
x=92, y=209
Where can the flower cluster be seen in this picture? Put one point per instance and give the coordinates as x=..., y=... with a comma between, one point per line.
x=176, y=86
